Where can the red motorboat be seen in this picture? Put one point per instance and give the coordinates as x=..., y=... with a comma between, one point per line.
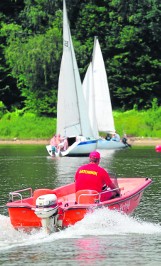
x=62, y=207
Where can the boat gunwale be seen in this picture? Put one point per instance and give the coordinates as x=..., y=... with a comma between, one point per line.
x=110, y=202
x=117, y=200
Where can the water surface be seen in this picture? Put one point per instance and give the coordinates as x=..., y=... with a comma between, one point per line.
x=102, y=238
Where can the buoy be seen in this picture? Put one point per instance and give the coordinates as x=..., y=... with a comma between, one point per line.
x=158, y=148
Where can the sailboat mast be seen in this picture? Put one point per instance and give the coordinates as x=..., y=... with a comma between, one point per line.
x=84, y=123
x=75, y=73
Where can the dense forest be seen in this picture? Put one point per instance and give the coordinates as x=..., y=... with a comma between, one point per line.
x=129, y=33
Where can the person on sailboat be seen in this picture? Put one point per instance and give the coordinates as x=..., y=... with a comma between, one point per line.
x=108, y=137
x=115, y=137
x=53, y=143
x=124, y=140
x=63, y=145
x=58, y=139
x=58, y=144
x=93, y=177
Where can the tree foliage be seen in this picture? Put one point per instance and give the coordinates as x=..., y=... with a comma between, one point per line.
x=31, y=47
x=34, y=62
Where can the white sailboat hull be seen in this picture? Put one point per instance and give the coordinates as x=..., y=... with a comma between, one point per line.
x=78, y=148
x=110, y=144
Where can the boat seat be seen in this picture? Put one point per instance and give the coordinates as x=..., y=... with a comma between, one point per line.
x=87, y=196
x=40, y=192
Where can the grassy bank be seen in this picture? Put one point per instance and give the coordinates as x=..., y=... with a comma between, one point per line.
x=139, y=123
x=28, y=126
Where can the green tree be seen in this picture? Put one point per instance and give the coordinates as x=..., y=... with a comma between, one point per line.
x=129, y=35
x=134, y=68
x=9, y=93
x=35, y=62
x=31, y=47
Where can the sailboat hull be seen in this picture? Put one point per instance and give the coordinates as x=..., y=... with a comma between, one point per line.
x=110, y=144
x=78, y=148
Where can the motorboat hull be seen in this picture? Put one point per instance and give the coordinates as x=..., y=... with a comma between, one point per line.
x=70, y=210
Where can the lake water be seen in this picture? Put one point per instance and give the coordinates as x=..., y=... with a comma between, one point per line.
x=101, y=238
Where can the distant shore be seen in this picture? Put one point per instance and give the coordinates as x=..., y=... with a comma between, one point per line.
x=134, y=141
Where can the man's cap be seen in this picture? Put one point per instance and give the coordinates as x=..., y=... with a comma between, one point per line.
x=94, y=154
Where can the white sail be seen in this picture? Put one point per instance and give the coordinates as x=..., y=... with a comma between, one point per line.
x=88, y=90
x=72, y=117
x=97, y=96
x=103, y=107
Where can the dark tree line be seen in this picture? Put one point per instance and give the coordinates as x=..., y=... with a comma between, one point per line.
x=129, y=33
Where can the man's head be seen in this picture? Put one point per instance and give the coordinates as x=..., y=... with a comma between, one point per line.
x=94, y=157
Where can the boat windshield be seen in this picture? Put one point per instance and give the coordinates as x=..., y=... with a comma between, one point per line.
x=114, y=179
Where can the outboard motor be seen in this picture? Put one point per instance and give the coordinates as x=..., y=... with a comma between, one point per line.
x=47, y=210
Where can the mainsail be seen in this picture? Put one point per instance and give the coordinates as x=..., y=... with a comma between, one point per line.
x=72, y=114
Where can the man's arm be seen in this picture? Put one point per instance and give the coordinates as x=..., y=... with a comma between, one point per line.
x=117, y=191
x=110, y=184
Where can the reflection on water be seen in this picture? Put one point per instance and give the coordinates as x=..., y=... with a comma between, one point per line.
x=101, y=238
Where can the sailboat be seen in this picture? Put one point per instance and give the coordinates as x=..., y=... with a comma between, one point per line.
x=97, y=96
x=72, y=115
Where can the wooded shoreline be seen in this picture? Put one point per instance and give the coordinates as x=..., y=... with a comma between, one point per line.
x=134, y=141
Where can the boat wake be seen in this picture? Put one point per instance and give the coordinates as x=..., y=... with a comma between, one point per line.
x=110, y=222
x=102, y=222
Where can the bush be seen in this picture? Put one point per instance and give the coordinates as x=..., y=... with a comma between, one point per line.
x=3, y=109
x=29, y=126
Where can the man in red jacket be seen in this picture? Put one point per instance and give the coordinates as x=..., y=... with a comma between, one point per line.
x=93, y=177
